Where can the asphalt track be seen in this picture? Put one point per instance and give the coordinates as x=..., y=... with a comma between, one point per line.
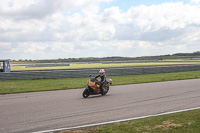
x=39, y=111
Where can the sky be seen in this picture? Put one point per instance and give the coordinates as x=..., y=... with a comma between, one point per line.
x=52, y=29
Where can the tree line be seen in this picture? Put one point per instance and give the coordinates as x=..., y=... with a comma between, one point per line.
x=193, y=55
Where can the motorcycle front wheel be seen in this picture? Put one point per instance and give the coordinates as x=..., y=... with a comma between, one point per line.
x=106, y=90
x=86, y=93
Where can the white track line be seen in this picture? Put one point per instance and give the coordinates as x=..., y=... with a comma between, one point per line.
x=116, y=121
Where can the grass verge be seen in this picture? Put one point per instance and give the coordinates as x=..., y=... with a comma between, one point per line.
x=184, y=122
x=20, y=86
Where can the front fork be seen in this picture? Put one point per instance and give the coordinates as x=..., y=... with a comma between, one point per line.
x=90, y=90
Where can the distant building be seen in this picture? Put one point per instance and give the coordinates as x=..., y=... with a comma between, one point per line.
x=4, y=65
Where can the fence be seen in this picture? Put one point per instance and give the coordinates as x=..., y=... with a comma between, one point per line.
x=58, y=74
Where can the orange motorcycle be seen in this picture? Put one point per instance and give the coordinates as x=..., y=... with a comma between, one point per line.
x=93, y=87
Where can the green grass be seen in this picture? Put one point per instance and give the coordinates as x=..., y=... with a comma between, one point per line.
x=184, y=122
x=100, y=65
x=20, y=86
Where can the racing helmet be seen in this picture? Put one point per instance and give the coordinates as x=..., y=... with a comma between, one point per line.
x=101, y=72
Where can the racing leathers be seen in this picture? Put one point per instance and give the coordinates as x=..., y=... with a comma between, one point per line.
x=102, y=82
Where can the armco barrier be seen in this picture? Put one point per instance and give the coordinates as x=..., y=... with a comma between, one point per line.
x=58, y=74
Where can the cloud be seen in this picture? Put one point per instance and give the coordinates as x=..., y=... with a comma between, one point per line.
x=21, y=9
x=27, y=9
x=161, y=21
x=61, y=29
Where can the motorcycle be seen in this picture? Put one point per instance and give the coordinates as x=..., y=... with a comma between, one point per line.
x=94, y=87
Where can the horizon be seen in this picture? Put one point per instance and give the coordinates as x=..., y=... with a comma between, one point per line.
x=100, y=57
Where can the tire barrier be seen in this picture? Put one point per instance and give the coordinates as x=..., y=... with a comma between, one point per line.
x=79, y=73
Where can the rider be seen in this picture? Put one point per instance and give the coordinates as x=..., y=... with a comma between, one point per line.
x=102, y=75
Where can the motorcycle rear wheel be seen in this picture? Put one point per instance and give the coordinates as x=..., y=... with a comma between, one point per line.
x=86, y=93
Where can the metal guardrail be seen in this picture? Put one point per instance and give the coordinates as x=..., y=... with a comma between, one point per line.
x=78, y=73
